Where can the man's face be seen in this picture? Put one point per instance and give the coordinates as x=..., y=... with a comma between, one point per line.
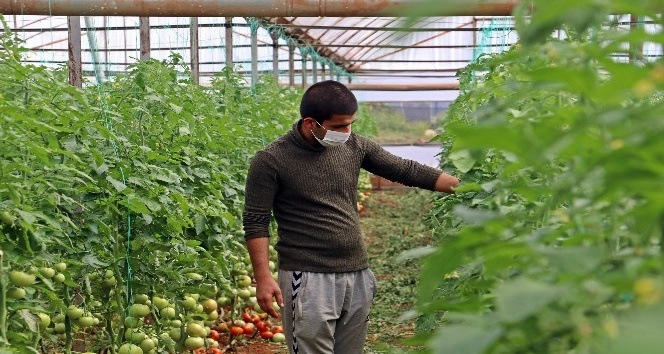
x=338, y=122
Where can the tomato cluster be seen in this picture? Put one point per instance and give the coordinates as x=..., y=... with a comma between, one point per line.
x=253, y=324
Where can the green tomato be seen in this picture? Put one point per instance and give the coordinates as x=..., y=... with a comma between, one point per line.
x=16, y=293
x=195, y=330
x=21, y=279
x=133, y=322
x=47, y=272
x=209, y=305
x=59, y=328
x=159, y=302
x=193, y=343
x=175, y=334
x=167, y=312
x=86, y=321
x=44, y=319
x=176, y=323
x=244, y=281
x=147, y=344
x=109, y=282
x=244, y=293
x=141, y=299
x=129, y=348
x=223, y=301
x=134, y=336
x=7, y=218
x=278, y=338
x=59, y=278
x=193, y=276
x=59, y=318
x=189, y=303
x=139, y=310
x=74, y=312
x=60, y=267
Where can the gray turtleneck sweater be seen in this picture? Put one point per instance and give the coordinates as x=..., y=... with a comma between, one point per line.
x=312, y=192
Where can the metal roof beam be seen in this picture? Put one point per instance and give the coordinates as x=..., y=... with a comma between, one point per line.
x=254, y=8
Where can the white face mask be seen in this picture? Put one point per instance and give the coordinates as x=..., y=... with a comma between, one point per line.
x=331, y=138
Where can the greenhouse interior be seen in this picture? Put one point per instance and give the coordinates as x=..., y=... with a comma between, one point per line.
x=127, y=129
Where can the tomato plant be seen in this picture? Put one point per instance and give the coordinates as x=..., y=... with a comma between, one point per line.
x=553, y=241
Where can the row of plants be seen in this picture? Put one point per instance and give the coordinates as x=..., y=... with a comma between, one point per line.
x=120, y=206
x=553, y=242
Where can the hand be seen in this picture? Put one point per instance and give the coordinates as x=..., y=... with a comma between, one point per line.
x=446, y=183
x=266, y=290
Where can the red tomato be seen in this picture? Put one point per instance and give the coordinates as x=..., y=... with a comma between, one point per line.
x=248, y=328
x=236, y=331
x=262, y=326
x=214, y=334
x=246, y=317
x=277, y=329
x=267, y=335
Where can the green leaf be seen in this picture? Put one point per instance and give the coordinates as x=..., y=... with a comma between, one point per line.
x=119, y=186
x=416, y=253
x=638, y=332
x=574, y=260
x=93, y=261
x=28, y=217
x=199, y=222
x=30, y=319
x=136, y=204
x=463, y=338
x=462, y=160
x=522, y=298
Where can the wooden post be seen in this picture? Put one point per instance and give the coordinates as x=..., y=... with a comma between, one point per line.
x=291, y=64
x=193, y=37
x=314, y=70
x=254, y=56
x=74, y=38
x=228, y=41
x=275, y=56
x=304, y=70
x=144, y=24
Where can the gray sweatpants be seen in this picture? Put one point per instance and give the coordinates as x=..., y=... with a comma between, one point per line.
x=326, y=313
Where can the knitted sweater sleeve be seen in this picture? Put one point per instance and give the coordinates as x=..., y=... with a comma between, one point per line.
x=408, y=172
x=260, y=190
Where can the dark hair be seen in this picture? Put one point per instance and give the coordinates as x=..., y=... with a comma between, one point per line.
x=327, y=98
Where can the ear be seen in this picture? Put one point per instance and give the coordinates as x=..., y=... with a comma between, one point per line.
x=308, y=122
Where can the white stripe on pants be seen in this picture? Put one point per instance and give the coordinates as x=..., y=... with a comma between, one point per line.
x=326, y=313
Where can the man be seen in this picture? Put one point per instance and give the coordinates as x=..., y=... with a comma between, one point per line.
x=308, y=178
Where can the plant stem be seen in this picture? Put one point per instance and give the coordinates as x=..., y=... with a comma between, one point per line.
x=68, y=340
x=3, y=301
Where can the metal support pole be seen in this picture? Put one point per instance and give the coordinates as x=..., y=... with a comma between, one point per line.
x=291, y=64
x=248, y=8
x=94, y=50
x=228, y=41
x=254, y=56
x=635, y=50
x=304, y=70
x=275, y=56
x=144, y=24
x=74, y=38
x=193, y=37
